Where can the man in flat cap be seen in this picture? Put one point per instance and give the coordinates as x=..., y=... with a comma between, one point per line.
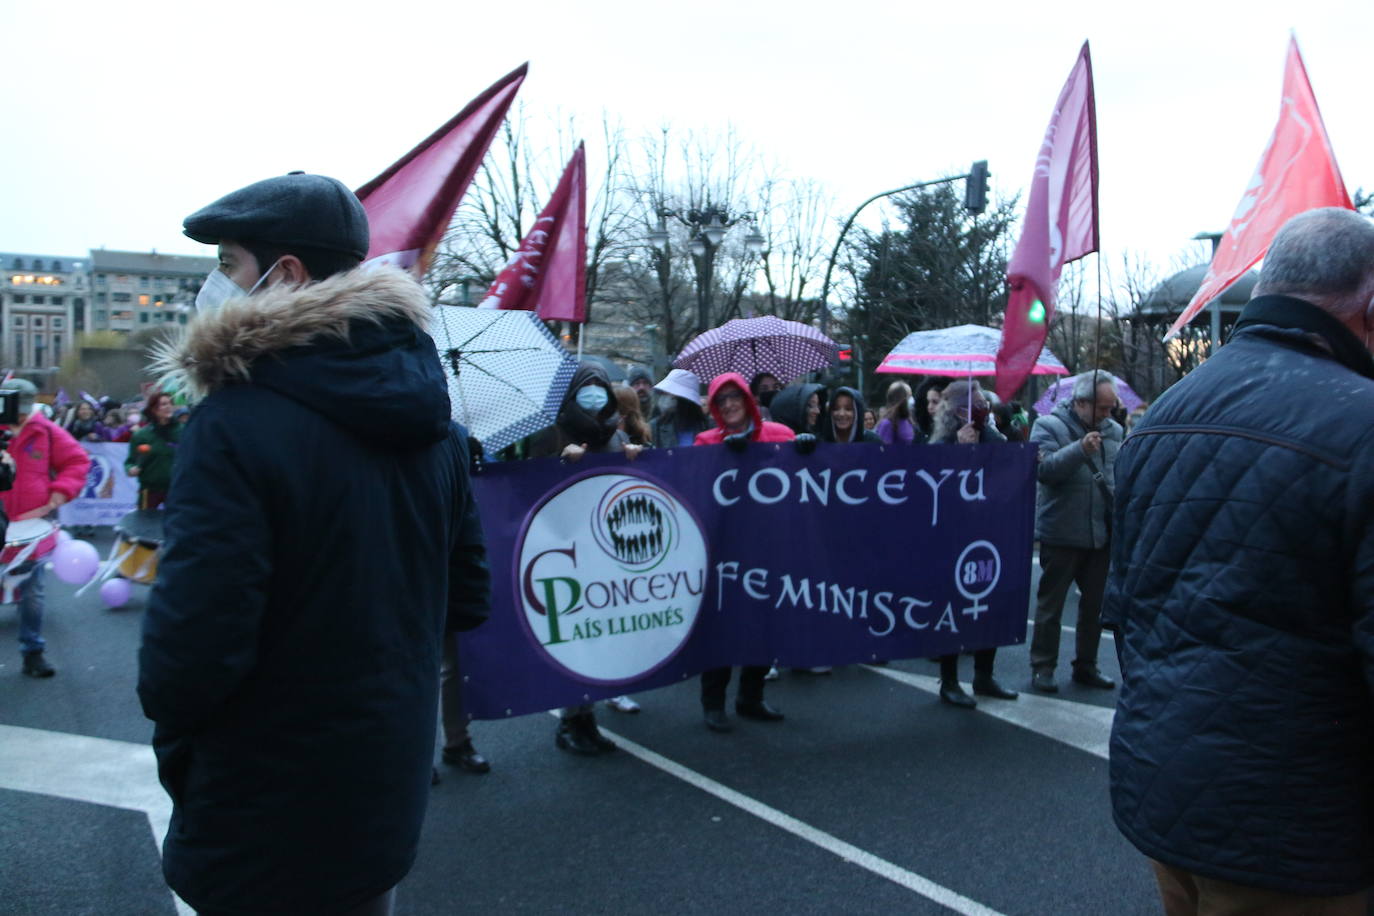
x=321, y=537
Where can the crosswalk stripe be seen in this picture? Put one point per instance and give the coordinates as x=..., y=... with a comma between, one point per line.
x=1079, y=725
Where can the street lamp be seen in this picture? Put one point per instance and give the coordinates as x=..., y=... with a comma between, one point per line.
x=707, y=227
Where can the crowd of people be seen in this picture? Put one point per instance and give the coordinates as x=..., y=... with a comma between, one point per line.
x=295, y=669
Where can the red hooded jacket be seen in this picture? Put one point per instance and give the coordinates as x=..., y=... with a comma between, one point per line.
x=760, y=430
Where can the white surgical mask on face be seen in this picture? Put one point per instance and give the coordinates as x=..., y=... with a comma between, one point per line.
x=592, y=398
x=219, y=289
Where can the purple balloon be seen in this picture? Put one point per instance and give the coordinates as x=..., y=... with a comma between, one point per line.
x=115, y=592
x=75, y=562
x=63, y=535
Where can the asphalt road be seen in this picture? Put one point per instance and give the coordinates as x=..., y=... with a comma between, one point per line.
x=871, y=797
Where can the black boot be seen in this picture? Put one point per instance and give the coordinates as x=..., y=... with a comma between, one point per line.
x=575, y=740
x=953, y=694
x=986, y=685
x=586, y=724
x=465, y=757
x=35, y=665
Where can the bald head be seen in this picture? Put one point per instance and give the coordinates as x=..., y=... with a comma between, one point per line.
x=1325, y=257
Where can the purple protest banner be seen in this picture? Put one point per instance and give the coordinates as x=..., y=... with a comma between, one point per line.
x=611, y=576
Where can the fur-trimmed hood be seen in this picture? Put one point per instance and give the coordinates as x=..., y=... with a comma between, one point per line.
x=352, y=347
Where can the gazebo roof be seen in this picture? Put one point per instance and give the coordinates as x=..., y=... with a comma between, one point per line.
x=1173, y=295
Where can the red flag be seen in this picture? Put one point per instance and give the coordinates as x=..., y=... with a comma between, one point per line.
x=410, y=204
x=548, y=272
x=1061, y=225
x=1297, y=172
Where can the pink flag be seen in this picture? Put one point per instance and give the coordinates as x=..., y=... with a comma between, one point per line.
x=1061, y=225
x=548, y=272
x=410, y=204
x=1297, y=172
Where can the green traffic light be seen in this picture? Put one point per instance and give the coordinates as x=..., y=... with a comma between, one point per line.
x=1036, y=313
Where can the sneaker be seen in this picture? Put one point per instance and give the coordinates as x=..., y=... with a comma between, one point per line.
x=623, y=704
x=35, y=665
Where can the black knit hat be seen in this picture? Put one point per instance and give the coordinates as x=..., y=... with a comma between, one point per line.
x=310, y=211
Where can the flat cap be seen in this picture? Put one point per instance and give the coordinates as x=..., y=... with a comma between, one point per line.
x=25, y=387
x=312, y=211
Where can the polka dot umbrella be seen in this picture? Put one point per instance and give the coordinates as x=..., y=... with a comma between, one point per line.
x=506, y=373
x=787, y=349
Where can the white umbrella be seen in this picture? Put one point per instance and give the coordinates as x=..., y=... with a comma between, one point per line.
x=964, y=351
x=507, y=374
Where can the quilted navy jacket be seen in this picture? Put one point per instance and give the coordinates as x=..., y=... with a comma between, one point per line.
x=1242, y=587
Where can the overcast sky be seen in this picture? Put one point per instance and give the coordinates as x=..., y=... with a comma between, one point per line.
x=122, y=118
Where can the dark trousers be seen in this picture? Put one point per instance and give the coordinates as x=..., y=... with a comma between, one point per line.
x=714, y=682
x=1186, y=894
x=381, y=905
x=451, y=713
x=983, y=660
x=1060, y=567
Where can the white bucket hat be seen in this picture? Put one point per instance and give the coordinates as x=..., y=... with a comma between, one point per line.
x=680, y=383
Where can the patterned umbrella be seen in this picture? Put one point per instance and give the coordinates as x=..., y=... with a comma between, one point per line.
x=960, y=352
x=788, y=349
x=1063, y=388
x=506, y=373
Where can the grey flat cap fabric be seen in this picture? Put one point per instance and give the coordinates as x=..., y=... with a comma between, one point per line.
x=21, y=385
x=312, y=211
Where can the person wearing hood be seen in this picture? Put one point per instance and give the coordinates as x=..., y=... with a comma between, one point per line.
x=738, y=423
x=321, y=536
x=679, y=416
x=588, y=421
x=801, y=408
x=846, y=418
x=964, y=417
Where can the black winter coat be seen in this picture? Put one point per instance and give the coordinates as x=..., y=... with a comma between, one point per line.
x=320, y=530
x=1242, y=587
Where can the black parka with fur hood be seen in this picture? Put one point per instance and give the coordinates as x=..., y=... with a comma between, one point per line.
x=320, y=533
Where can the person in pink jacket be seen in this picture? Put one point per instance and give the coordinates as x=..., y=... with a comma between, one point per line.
x=739, y=422
x=50, y=469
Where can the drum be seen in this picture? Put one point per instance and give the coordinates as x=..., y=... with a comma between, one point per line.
x=27, y=539
x=139, y=537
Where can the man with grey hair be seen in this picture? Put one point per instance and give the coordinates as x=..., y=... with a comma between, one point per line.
x=1242, y=593
x=1078, y=442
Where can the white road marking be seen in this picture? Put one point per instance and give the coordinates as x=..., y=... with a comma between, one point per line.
x=1079, y=725
x=802, y=830
x=1106, y=634
x=118, y=774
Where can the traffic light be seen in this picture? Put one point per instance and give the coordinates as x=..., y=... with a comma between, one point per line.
x=976, y=189
x=846, y=354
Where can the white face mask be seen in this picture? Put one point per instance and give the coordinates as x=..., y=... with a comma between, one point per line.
x=219, y=289
x=592, y=398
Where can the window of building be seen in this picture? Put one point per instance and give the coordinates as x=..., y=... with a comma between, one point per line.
x=37, y=321
x=142, y=282
x=101, y=316
x=121, y=297
x=19, y=348
x=19, y=321
x=182, y=318
x=18, y=264
x=57, y=266
x=142, y=317
x=57, y=300
x=143, y=299
x=38, y=300
x=57, y=349
x=79, y=302
x=100, y=298
x=57, y=324
x=18, y=297
x=40, y=346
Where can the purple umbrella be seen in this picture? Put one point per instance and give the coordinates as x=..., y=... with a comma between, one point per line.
x=787, y=349
x=1064, y=388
